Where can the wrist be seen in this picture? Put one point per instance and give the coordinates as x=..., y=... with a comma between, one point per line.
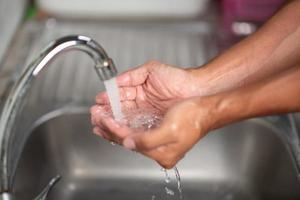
x=201, y=77
x=222, y=109
x=211, y=79
x=208, y=113
x=225, y=72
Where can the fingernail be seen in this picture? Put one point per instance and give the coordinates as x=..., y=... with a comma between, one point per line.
x=129, y=144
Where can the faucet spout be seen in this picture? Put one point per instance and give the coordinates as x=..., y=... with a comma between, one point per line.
x=104, y=67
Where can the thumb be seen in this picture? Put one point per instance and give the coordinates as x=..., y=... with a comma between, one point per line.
x=148, y=140
x=132, y=77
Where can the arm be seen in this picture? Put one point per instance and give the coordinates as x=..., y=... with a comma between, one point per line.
x=278, y=95
x=275, y=47
x=196, y=117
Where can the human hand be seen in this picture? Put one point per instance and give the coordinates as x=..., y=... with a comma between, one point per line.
x=153, y=86
x=182, y=127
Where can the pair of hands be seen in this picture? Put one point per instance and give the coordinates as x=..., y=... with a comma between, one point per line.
x=163, y=89
x=173, y=92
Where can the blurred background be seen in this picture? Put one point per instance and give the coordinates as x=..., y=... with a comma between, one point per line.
x=234, y=17
x=180, y=32
x=185, y=33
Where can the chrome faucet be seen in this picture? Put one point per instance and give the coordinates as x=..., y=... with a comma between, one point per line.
x=104, y=67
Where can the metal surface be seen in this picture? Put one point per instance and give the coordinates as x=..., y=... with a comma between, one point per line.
x=14, y=100
x=245, y=161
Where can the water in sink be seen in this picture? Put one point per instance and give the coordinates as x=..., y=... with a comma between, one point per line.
x=139, y=119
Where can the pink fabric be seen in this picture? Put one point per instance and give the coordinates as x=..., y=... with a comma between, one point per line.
x=248, y=10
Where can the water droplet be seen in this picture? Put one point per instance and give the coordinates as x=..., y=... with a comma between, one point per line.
x=167, y=177
x=169, y=191
x=143, y=119
x=113, y=143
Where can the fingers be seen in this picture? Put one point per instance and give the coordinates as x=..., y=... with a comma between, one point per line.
x=117, y=131
x=164, y=150
x=106, y=126
x=132, y=77
x=137, y=75
x=95, y=111
x=100, y=132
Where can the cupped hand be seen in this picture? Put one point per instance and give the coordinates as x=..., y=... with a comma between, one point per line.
x=153, y=85
x=183, y=125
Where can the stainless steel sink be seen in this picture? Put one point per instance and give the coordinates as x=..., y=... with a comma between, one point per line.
x=243, y=161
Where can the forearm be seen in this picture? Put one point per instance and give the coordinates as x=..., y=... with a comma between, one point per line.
x=272, y=49
x=278, y=95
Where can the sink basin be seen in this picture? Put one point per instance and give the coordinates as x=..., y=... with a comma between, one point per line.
x=243, y=161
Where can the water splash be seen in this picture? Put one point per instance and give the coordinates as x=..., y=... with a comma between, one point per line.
x=113, y=143
x=143, y=119
x=179, y=186
x=169, y=191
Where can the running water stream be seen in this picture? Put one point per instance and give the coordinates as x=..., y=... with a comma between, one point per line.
x=140, y=120
x=114, y=98
x=168, y=179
